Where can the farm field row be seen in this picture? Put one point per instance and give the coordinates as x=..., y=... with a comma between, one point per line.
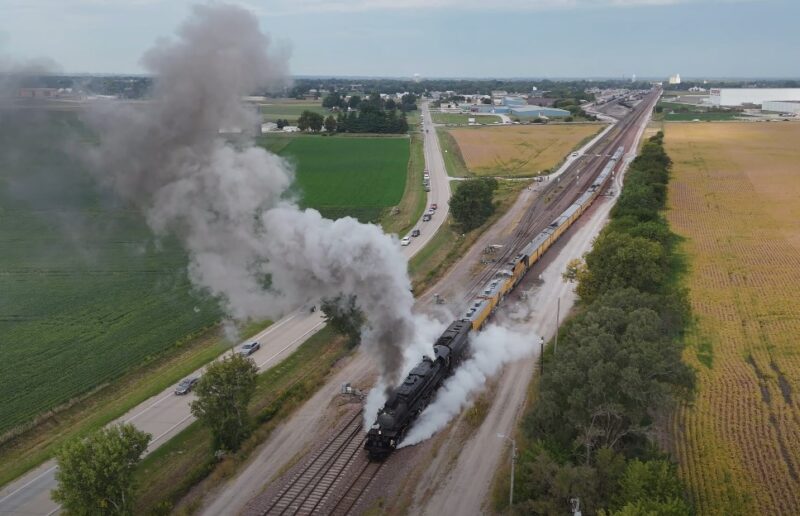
x=517, y=150
x=342, y=175
x=88, y=292
x=735, y=198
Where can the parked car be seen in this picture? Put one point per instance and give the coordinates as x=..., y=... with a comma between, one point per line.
x=415, y=233
x=186, y=385
x=405, y=241
x=249, y=348
x=427, y=188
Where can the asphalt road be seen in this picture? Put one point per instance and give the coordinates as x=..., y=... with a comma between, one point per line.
x=166, y=414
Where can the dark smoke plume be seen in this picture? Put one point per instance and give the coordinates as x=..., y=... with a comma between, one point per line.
x=249, y=243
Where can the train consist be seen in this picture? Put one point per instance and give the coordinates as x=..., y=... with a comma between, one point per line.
x=409, y=399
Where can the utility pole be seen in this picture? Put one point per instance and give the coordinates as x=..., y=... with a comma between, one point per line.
x=513, y=461
x=541, y=355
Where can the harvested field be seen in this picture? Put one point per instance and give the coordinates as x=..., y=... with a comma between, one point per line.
x=735, y=197
x=519, y=150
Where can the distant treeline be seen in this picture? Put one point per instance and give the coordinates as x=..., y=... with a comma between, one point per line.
x=459, y=86
x=617, y=364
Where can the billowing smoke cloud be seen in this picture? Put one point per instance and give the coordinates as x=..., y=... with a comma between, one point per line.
x=249, y=243
x=492, y=348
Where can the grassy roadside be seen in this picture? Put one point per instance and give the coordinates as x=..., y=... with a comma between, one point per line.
x=453, y=159
x=412, y=205
x=449, y=244
x=183, y=470
x=35, y=446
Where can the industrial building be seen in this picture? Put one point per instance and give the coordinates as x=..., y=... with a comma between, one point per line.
x=732, y=97
x=538, y=112
x=781, y=106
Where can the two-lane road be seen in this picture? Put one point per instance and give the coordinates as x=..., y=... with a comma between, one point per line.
x=166, y=414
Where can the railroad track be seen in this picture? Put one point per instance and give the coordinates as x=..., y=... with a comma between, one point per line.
x=332, y=481
x=537, y=216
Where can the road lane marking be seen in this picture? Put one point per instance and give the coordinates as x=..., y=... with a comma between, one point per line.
x=17, y=490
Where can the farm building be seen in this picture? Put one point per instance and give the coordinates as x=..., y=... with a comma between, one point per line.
x=538, y=111
x=755, y=96
x=782, y=106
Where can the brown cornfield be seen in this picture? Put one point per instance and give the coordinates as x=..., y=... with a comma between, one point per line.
x=735, y=198
x=519, y=150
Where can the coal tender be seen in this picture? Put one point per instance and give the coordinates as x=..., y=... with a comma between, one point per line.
x=411, y=397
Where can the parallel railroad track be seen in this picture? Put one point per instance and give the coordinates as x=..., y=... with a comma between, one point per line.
x=537, y=216
x=332, y=481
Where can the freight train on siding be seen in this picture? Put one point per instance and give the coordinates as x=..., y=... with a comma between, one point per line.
x=410, y=398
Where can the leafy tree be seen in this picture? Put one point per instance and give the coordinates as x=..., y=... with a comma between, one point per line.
x=344, y=317
x=333, y=100
x=223, y=393
x=619, y=260
x=95, y=474
x=310, y=120
x=330, y=124
x=471, y=204
x=408, y=102
x=354, y=102
x=281, y=123
x=390, y=104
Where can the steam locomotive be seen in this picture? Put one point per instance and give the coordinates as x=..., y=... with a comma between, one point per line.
x=409, y=399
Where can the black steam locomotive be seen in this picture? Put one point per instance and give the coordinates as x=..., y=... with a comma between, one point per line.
x=412, y=396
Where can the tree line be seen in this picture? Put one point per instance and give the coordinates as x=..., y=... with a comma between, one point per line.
x=617, y=364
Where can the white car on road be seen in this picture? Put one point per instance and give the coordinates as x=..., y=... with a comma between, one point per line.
x=405, y=241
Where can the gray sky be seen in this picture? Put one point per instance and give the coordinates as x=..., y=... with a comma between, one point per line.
x=501, y=38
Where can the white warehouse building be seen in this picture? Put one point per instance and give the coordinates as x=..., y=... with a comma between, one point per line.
x=738, y=96
x=781, y=106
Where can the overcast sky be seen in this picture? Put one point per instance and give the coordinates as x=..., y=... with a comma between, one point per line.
x=435, y=38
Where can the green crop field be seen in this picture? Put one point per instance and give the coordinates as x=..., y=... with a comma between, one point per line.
x=343, y=175
x=87, y=291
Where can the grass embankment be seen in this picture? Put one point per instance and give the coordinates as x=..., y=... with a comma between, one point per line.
x=449, y=244
x=451, y=153
x=463, y=119
x=585, y=432
x=342, y=176
x=187, y=463
x=405, y=215
x=515, y=151
x=735, y=197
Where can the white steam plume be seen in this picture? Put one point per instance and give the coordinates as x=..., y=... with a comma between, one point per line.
x=491, y=349
x=249, y=243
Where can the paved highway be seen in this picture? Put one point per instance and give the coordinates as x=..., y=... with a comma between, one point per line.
x=166, y=414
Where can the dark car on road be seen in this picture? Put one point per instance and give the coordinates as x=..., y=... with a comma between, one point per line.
x=415, y=233
x=249, y=349
x=186, y=385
